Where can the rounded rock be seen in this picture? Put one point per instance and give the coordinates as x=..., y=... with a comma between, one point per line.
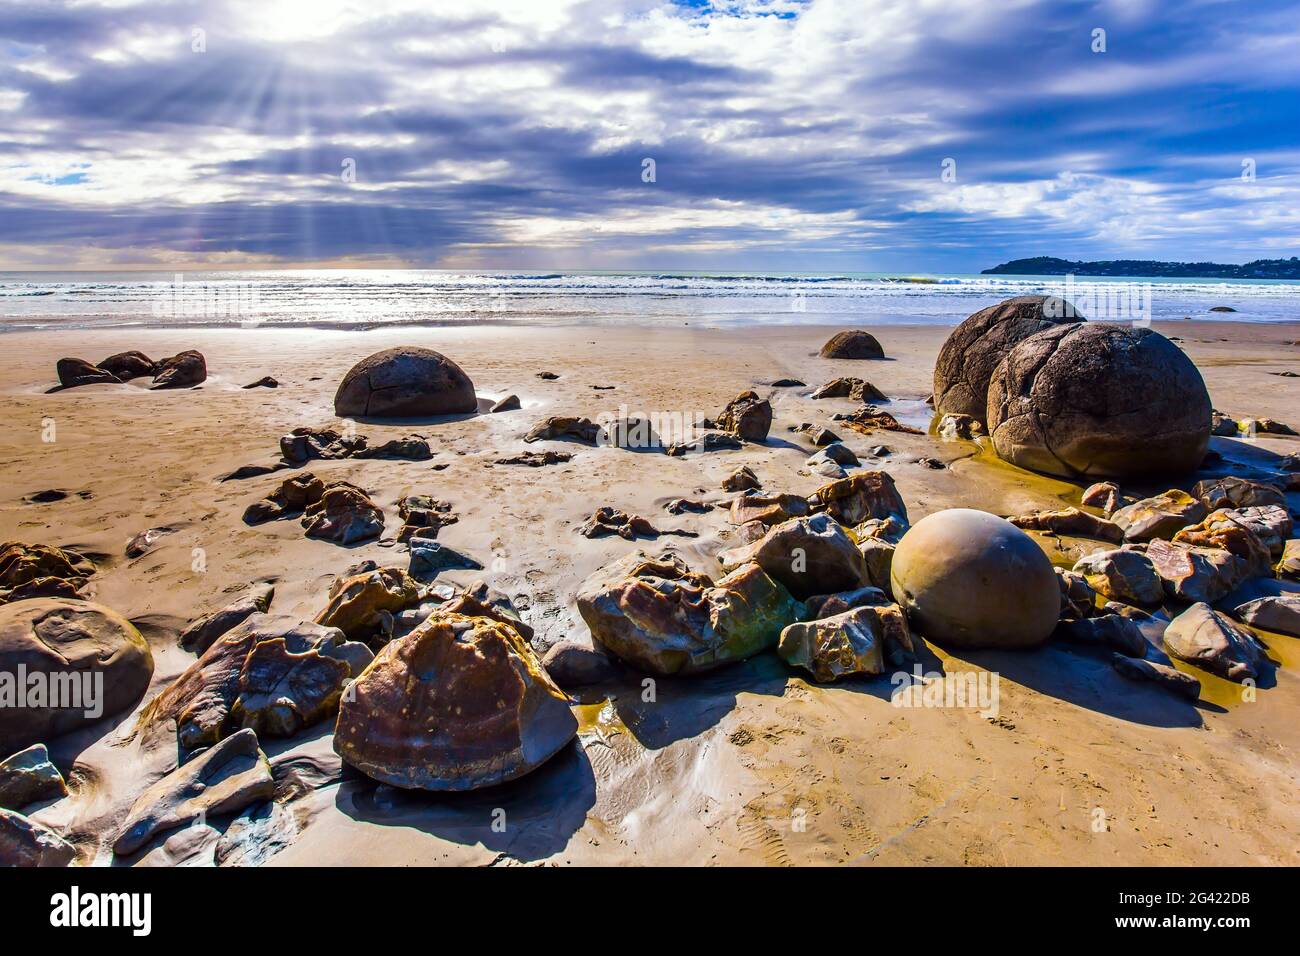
x=1093, y=399
x=970, y=579
x=405, y=382
x=972, y=352
x=852, y=344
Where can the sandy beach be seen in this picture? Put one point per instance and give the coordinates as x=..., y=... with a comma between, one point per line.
x=750, y=764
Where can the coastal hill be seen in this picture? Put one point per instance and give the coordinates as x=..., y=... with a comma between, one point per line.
x=1050, y=266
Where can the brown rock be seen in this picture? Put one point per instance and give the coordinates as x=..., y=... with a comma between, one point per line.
x=852, y=344
x=292, y=497
x=200, y=634
x=847, y=644
x=575, y=664
x=28, y=777
x=26, y=843
x=1104, y=495
x=807, y=555
x=769, y=509
x=1159, y=517
x=1208, y=639
x=1122, y=575
x=1078, y=599
x=1228, y=530
x=865, y=495
x=610, y=521
x=405, y=382
x=828, y=605
x=742, y=479
x=1233, y=492
x=1196, y=574
x=183, y=370
x=848, y=387
x=954, y=427
x=1112, y=631
x=39, y=570
x=344, y=514
x=459, y=703
x=74, y=372
x=869, y=420
x=1071, y=521
x=357, y=603
x=748, y=416
x=1134, y=668
x=129, y=365
x=508, y=404
x=560, y=428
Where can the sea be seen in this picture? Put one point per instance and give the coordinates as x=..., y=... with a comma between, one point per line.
x=359, y=299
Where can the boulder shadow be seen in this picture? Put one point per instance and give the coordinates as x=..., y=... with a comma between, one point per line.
x=527, y=819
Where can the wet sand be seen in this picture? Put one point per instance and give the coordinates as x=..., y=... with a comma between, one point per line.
x=752, y=764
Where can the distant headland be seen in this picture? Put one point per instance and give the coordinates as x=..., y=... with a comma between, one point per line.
x=1051, y=266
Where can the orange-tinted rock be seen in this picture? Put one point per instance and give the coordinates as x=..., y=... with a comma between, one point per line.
x=748, y=416
x=1071, y=521
x=1233, y=492
x=1161, y=516
x=459, y=703
x=807, y=555
x=853, y=500
x=356, y=603
x=1225, y=529
x=1196, y=574
x=39, y=570
x=769, y=509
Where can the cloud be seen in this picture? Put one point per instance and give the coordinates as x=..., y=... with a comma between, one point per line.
x=785, y=134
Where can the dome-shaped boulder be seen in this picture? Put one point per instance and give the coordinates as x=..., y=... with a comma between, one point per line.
x=405, y=382
x=971, y=353
x=852, y=344
x=1094, y=399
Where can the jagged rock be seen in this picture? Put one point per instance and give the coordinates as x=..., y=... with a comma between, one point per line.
x=405, y=382
x=29, y=776
x=356, y=603
x=26, y=843
x=142, y=543
x=1222, y=425
x=971, y=579
x=508, y=404
x=129, y=365
x=183, y=370
x=854, y=388
x=535, y=459
x=869, y=419
x=820, y=437
x=429, y=558
x=607, y=521
x=1272, y=525
x=1135, y=668
x=1228, y=529
x=853, y=500
x=1208, y=639
x=1071, y=521
x=971, y=353
x=807, y=555
x=709, y=441
x=200, y=634
x=837, y=453
x=575, y=664
x=344, y=514
x=1159, y=517
x=458, y=704
x=853, y=642
x=1113, y=631
x=742, y=479
x=1280, y=614
x=74, y=372
x=230, y=776
x=292, y=497
x=423, y=516
x=1078, y=599
x=308, y=444
x=65, y=664
x=878, y=554
x=407, y=448
x=1122, y=575
x=559, y=428
x=683, y=505
x=661, y=618
x=39, y=570
x=891, y=528
x=768, y=509
x=1196, y=574
x=1288, y=566
x=748, y=416
x=1099, y=399
x=482, y=600
x=1104, y=495
x=1266, y=426
x=828, y=605
x=1233, y=492
x=954, y=427
x=852, y=344
x=228, y=687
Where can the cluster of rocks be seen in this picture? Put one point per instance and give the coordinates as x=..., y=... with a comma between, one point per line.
x=183, y=370
x=336, y=510
x=41, y=570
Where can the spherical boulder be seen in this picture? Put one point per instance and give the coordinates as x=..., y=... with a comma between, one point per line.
x=405, y=382
x=1102, y=400
x=970, y=579
x=971, y=353
x=852, y=344
x=64, y=664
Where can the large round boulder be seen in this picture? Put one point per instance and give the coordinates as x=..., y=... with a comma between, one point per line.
x=182, y=370
x=65, y=664
x=405, y=382
x=459, y=703
x=852, y=344
x=129, y=365
x=970, y=579
x=1094, y=399
x=971, y=353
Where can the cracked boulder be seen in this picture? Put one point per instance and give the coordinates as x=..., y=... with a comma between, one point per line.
x=1161, y=516
x=1192, y=574
x=357, y=604
x=1233, y=492
x=1249, y=533
x=405, y=382
x=39, y=570
x=344, y=514
x=662, y=618
x=971, y=353
x=1094, y=399
x=459, y=703
x=1122, y=575
x=860, y=497
x=858, y=641
x=807, y=555
x=852, y=344
x=1071, y=521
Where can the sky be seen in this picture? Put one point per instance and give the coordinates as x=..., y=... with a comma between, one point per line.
x=758, y=135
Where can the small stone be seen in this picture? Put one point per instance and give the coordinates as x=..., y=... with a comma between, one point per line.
x=1078, y=599
x=954, y=427
x=747, y=416
x=264, y=382
x=535, y=459
x=787, y=383
x=575, y=664
x=855, y=388
x=429, y=558
x=820, y=437
x=508, y=404
x=683, y=505
x=144, y=542
x=560, y=428
x=1112, y=631
x=742, y=479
